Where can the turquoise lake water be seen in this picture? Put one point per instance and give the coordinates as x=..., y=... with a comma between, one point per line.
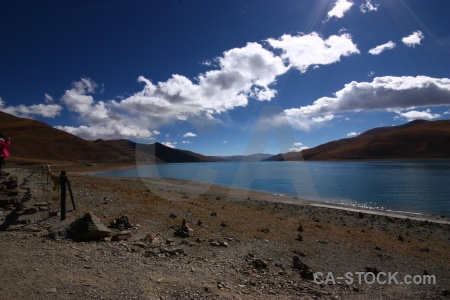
x=408, y=186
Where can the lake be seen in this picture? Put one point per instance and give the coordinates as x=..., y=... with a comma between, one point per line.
x=408, y=186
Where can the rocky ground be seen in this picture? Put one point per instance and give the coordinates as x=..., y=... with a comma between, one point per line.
x=234, y=245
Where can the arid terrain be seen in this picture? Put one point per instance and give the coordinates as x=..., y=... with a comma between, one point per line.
x=239, y=245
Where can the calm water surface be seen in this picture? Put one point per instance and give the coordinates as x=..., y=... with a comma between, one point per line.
x=411, y=186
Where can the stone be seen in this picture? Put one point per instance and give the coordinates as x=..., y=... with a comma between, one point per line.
x=60, y=230
x=224, y=224
x=30, y=211
x=259, y=264
x=121, y=223
x=305, y=271
x=89, y=227
x=183, y=231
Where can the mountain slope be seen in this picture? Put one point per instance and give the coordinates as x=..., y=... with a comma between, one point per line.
x=35, y=141
x=417, y=139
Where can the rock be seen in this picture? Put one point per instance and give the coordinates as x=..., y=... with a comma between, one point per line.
x=300, y=228
x=60, y=230
x=224, y=224
x=305, y=271
x=121, y=236
x=121, y=223
x=296, y=262
x=199, y=223
x=183, y=231
x=173, y=216
x=30, y=211
x=259, y=264
x=89, y=227
x=213, y=214
x=9, y=184
x=299, y=238
x=148, y=238
x=400, y=238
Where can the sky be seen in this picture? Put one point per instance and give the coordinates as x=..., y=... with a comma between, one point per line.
x=225, y=77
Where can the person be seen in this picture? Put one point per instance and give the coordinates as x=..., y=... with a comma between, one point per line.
x=4, y=144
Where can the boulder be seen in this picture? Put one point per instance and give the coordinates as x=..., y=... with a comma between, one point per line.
x=89, y=227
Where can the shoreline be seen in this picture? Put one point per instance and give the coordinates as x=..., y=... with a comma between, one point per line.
x=240, y=245
x=241, y=194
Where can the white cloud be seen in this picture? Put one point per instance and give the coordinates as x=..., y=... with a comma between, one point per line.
x=381, y=48
x=44, y=110
x=48, y=98
x=169, y=144
x=244, y=73
x=339, y=9
x=418, y=115
x=112, y=130
x=186, y=142
x=371, y=74
x=189, y=134
x=368, y=6
x=303, y=51
x=383, y=93
x=297, y=147
x=414, y=39
x=352, y=134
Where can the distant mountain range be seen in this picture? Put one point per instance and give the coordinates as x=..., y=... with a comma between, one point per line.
x=37, y=142
x=417, y=140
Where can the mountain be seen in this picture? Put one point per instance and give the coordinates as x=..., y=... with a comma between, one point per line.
x=252, y=157
x=417, y=139
x=37, y=142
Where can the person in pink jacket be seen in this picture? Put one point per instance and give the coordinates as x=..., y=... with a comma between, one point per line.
x=4, y=144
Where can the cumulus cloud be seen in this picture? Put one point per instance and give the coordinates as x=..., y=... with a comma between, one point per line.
x=339, y=9
x=414, y=39
x=381, y=48
x=297, y=147
x=111, y=130
x=189, y=134
x=28, y=111
x=368, y=6
x=418, y=115
x=244, y=73
x=384, y=93
x=352, y=134
x=303, y=51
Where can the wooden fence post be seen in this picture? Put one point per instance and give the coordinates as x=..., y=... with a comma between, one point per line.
x=63, y=182
x=71, y=194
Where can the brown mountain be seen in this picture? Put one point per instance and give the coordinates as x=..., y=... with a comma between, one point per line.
x=37, y=142
x=417, y=140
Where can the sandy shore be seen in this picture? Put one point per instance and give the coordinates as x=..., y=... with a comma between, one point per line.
x=241, y=245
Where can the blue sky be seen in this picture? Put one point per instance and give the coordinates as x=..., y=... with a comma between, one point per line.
x=225, y=77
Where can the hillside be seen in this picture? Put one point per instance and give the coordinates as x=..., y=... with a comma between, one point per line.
x=417, y=139
x=37, y=142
